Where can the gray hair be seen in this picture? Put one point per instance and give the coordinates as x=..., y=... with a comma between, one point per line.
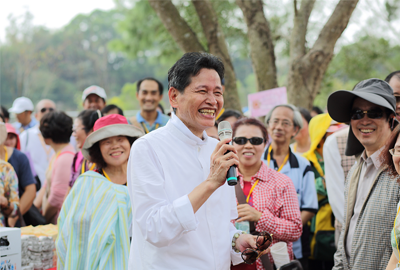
x=297, y=118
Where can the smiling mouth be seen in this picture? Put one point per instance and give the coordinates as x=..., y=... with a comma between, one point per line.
x=207, y=112
x=366, y=130
x=248, y=154
x=116, y=154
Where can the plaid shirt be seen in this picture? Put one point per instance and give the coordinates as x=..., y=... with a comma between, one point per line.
x=275, y=196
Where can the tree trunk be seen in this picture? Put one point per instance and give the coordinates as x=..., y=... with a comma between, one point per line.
x=308, y=68
x=217, y=46
x=261, y=45
x=176, y=26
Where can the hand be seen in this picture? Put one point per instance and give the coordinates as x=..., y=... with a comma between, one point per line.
x=220, y=162
x=3, y=202
x=248, y=213
x=12, y=221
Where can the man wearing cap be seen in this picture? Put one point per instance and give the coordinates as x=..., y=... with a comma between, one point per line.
x=23, y=108
x=393, y=79
x=283, y=123
x=371, y=195
x=94, y=98
x=181, y=203
x=149, y=94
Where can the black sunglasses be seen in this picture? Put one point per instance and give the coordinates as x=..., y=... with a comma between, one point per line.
x=372, y=114
x=43, y=110
x=263, y=241
x=243, y=140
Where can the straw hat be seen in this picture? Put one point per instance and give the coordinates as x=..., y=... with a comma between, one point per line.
x=109, y=126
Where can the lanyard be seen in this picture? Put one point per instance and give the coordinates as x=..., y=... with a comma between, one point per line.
x=294, y=147
x=83, y=167
x=106, y=175
x=269, y=158
x=251, y=190
x=395, y=238
x=5, y=154
x=146, y=130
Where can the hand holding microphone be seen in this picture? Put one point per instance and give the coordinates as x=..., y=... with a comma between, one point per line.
x=224, y=160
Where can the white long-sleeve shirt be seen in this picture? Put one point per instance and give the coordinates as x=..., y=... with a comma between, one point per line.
x=164, y=167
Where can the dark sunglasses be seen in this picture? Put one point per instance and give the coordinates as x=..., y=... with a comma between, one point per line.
x=43, y=110
x=243, y=140
x=263, y=241
x=372, y=114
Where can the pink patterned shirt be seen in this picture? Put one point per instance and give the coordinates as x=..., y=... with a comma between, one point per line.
x=275, y=196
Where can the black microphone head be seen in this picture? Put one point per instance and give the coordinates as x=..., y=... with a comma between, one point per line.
x=224, y=130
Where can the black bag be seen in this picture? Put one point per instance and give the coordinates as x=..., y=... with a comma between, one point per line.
x=293, y=265
x=33, y=217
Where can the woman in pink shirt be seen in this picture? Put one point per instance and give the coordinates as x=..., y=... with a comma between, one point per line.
x=56, y=129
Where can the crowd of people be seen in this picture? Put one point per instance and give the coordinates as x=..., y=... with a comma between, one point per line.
x=150, y=191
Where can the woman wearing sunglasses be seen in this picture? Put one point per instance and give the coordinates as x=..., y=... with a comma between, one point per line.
x=271, y=199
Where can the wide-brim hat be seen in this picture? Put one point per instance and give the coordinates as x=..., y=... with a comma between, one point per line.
x=109, y=126
x=340, y=105
x=11, y=129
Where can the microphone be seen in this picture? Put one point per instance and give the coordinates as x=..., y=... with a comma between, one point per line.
x=225, y=132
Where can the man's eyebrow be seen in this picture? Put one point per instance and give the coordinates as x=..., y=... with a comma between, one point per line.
x=205, y=86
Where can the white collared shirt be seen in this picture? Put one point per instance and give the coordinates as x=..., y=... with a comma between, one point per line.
x=164, y=167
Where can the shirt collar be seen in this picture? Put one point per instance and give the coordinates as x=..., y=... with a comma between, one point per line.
x=374, y=158
x=140, y=119
x=186, y=131
x=32, y=123
x=293, y=162
x=262, y=173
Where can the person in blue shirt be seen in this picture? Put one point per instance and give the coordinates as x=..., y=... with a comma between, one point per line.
x=283, y=123
x=149, y=93
x=23, y=108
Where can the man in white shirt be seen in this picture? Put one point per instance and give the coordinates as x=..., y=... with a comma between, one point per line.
x=181, y=203
x=32, y=143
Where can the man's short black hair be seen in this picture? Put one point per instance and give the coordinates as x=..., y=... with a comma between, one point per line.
x=5, y=112
x=56, y=126
x=181, y=73
x=228, y=113
x=317, y=110
x=305, y=113
x=110, y=107
x=160, y=86
x=394, y=73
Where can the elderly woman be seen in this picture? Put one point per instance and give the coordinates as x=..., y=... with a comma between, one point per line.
x=56, y=129
x=391, y=157
x=96, y=216
x=272, y=204
x=9, y=200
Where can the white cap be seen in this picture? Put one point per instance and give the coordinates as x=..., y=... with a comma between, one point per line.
x=21, y=104
x=94, y=89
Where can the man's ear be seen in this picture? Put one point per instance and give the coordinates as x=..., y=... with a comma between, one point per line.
x=173, y=94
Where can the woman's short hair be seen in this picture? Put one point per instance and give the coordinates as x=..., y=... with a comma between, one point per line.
x=86, y=118
x=250, y=121
x=110, y=107
x=56, y=126
x=386, y=157
x=97, y=157
x=305, y=113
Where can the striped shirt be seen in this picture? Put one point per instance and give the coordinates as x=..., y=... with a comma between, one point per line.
x=93, y=226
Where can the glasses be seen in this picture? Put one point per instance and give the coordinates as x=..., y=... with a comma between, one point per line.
x=394, y=152
x=263, y=241
x=43, y=110
x=372, y=114
x=285, y=123
x=243, y=140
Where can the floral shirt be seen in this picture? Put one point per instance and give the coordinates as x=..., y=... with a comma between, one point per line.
x=8, y=187
x=275, y=196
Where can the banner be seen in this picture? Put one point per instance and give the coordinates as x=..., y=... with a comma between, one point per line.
x=261, y=103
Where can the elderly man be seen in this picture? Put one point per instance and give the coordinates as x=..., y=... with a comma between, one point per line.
x=23, y=108
x=32, y=143
x=181, y=203
x=371, y=194
x=283, y=123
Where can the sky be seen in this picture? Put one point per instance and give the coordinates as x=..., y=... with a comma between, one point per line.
x=51, y=14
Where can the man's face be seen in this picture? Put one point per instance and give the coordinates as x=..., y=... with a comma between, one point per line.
x=24, y=118
x=395, y=84
x=200, y=102
x=372, y=133
x=43, y=107
x=280, y=126
x=148, y=95
x=93, y=102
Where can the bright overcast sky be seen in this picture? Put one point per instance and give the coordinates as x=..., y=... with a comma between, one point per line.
x=52, y=14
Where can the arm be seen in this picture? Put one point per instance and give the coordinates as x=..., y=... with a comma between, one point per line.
x=309, y=199
x=306, y=216
x=287, y=227
x=39, y=197
x=27, y=198
x=13, y=200
x=392, y=262
x=160, y=220
x=334, y=177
